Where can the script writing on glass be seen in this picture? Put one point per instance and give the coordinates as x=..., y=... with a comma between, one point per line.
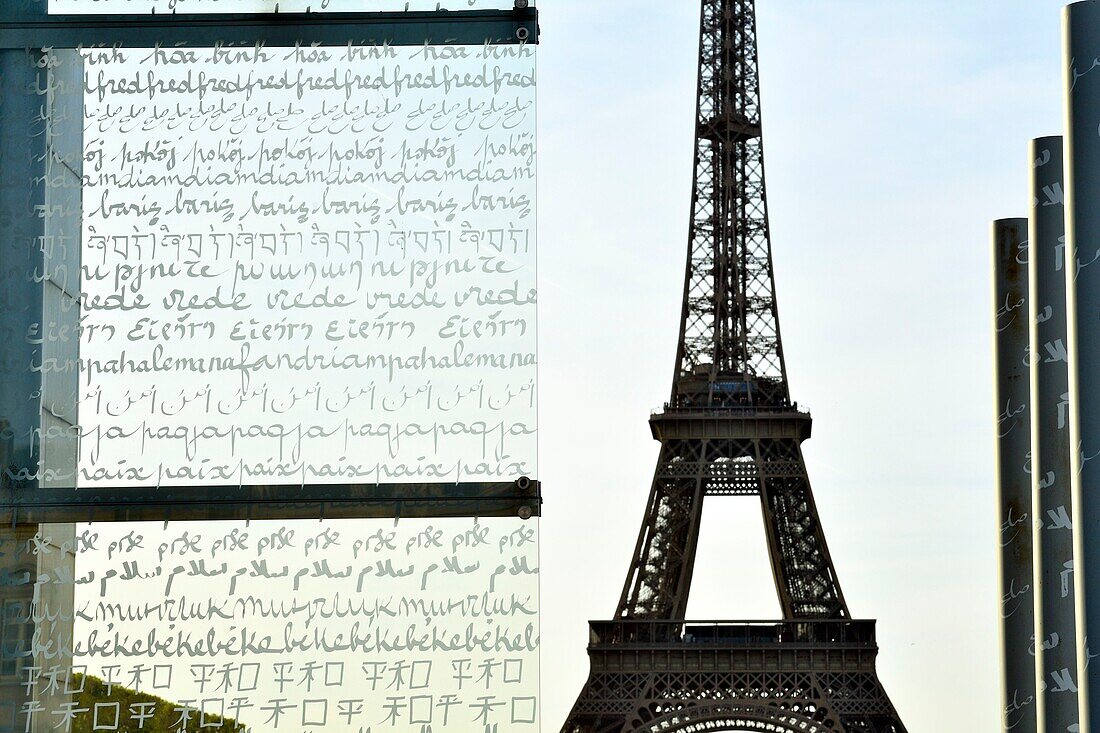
x=350, y=625
x=305, y=265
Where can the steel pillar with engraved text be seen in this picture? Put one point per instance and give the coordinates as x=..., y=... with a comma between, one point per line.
x=1082, y=192
x=1013, y=453
x=1055, y=642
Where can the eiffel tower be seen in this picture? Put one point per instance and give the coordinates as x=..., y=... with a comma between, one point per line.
x=730, y=429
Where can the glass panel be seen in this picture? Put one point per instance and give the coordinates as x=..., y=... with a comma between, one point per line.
x=413, y=626
x=268, y=6
x=255, y=268
x=297, y=266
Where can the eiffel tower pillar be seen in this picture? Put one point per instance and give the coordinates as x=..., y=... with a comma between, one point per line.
x=730, y=429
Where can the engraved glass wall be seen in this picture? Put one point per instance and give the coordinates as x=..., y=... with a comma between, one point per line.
x=327, y=255
x=342, y=625
x=296, y=266
x=267, y=387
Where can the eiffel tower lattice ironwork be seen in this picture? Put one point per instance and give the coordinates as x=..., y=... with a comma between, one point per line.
x=731, y=429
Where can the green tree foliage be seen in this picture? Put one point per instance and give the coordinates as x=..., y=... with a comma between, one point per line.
x=137, y=712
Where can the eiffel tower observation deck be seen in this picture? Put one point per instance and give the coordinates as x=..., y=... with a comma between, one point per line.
x=730, y=428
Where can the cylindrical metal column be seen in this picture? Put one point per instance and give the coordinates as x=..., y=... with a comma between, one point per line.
x=1013, y=387
x=1082, y=183
x=1055, y=640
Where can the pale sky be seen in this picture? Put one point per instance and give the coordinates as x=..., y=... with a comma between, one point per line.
x=895, y=131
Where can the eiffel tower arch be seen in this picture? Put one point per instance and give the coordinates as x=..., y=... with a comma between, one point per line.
x=730, y=429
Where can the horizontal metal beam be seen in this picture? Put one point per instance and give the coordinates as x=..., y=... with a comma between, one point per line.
x=313, y=501
x=729, y=425
x=785, y=633
x=457, y=28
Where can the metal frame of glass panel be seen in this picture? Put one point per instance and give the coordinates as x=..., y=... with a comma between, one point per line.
x=466, y=27
x=25, y=25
